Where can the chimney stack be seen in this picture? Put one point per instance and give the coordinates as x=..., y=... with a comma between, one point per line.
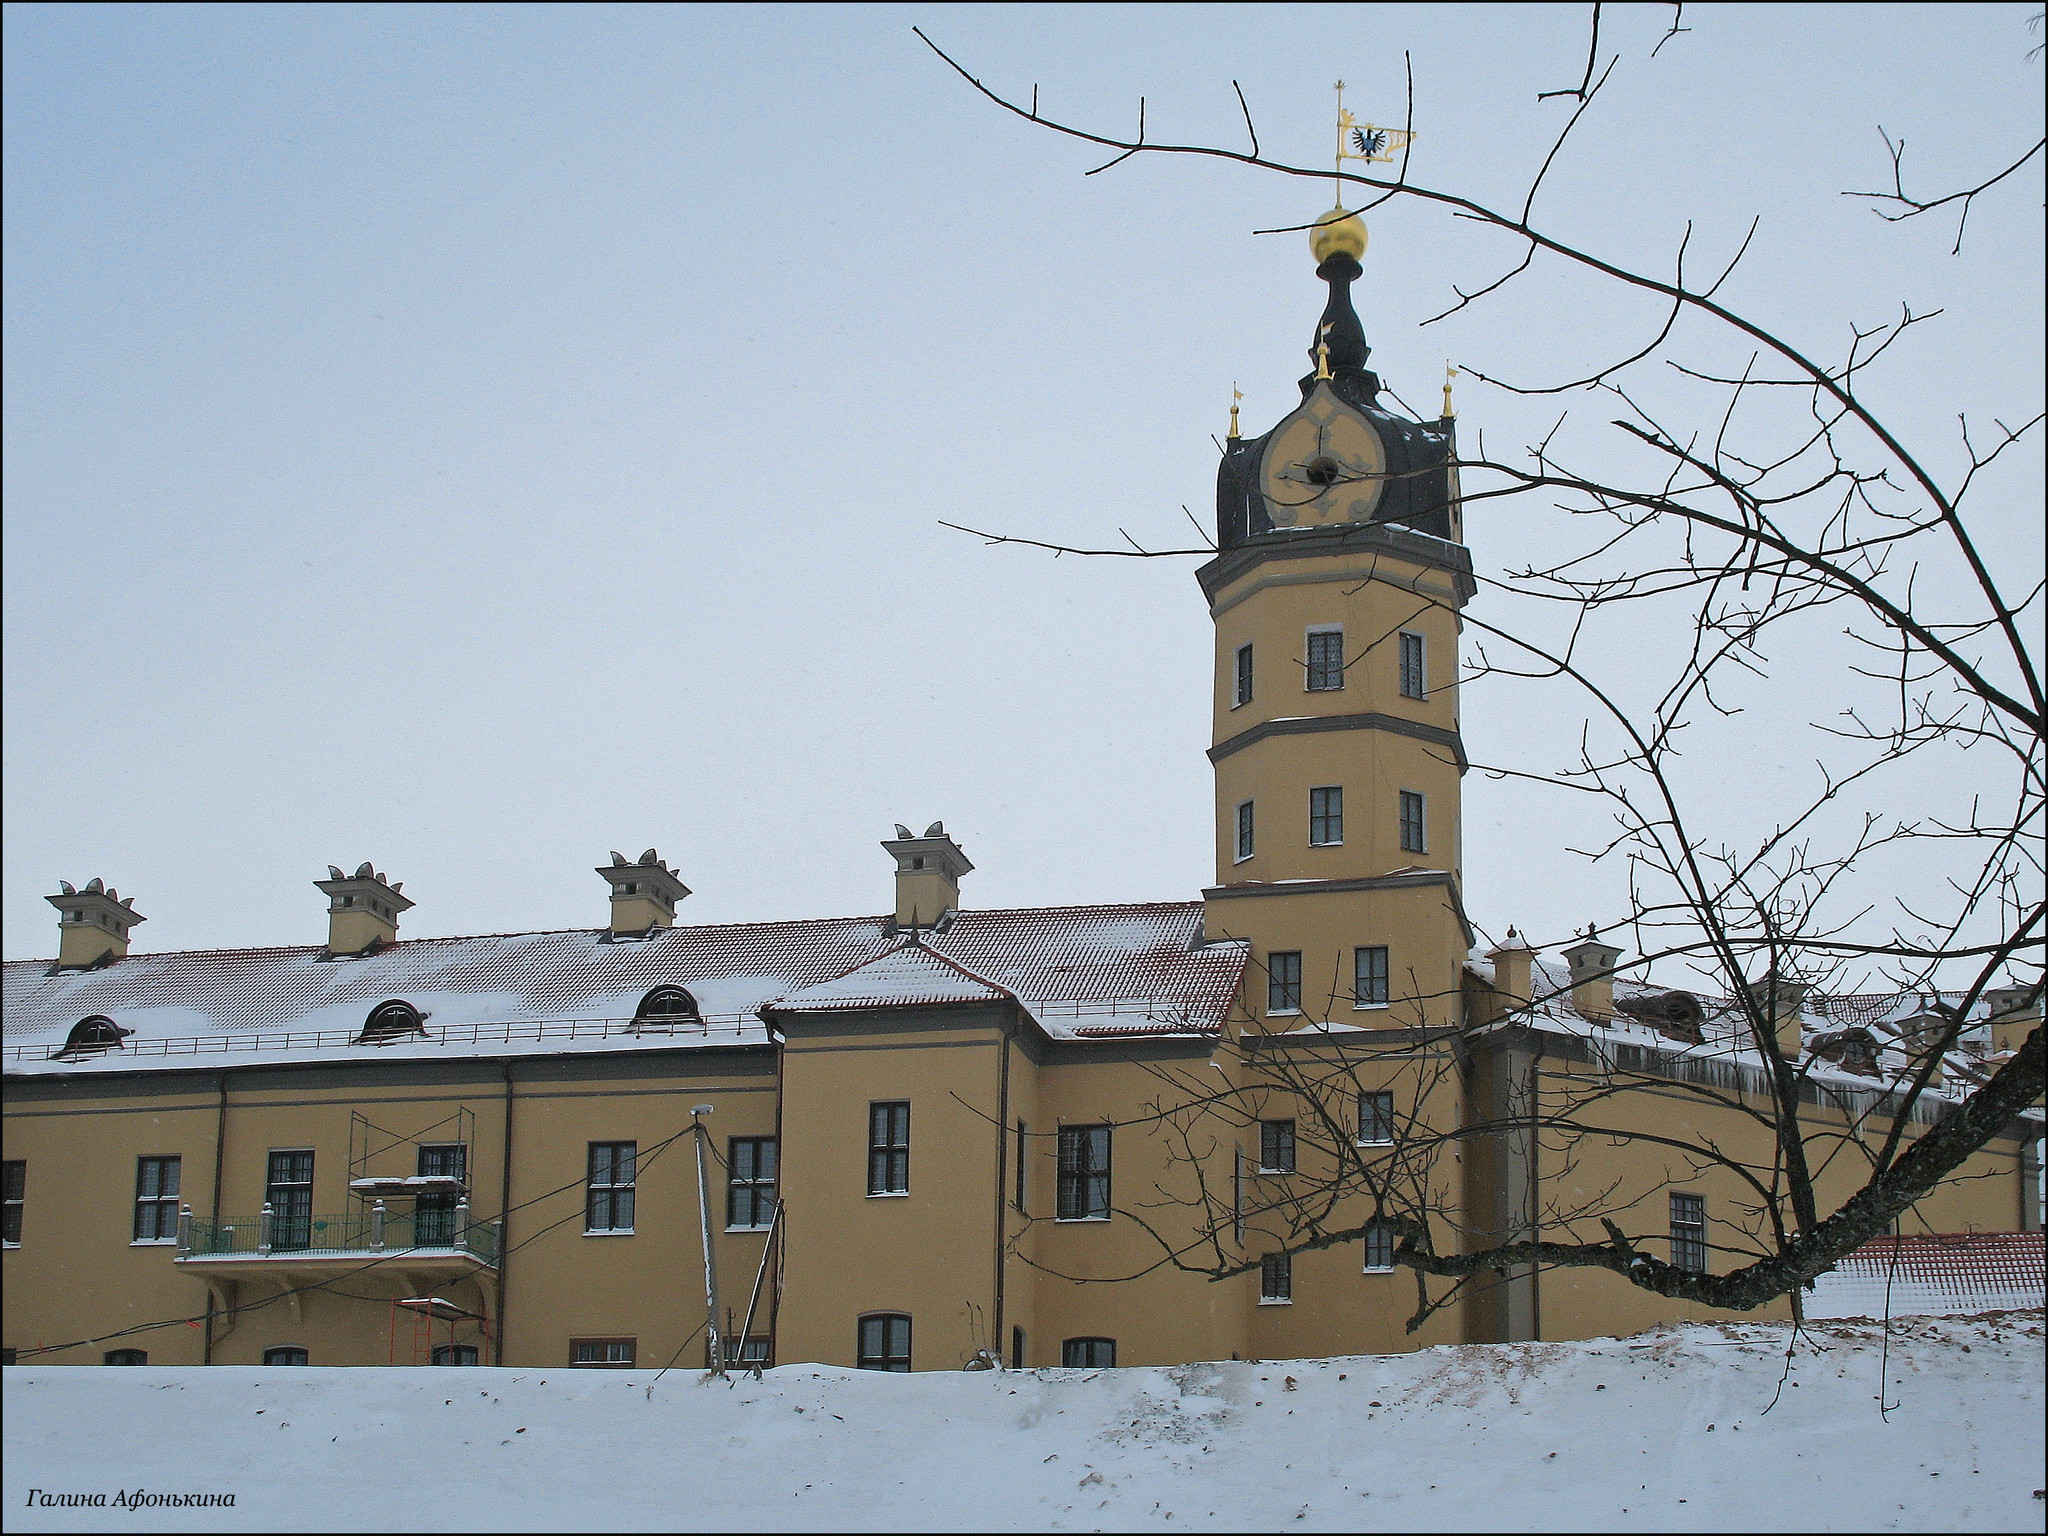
x=93, y=924
x=1512, y=962
x=2015, y=1014
x=644, y=893
x=1784, y=1003
x=362, y=910
x=1592, y=963
x=928, y=871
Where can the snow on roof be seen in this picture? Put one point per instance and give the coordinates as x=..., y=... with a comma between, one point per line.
x=1938, y=1274
x=578, y=989
x=906, y=977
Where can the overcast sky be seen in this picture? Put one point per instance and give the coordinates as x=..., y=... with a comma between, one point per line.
x=475, y=438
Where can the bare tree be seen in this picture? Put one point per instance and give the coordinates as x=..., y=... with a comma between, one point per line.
x=1773, y=505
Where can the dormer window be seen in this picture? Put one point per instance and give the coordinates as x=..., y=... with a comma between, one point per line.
x=96, y=1033
x=666, y=1006
x=390, y=1021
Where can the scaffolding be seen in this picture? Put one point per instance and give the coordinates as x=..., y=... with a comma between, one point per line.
x=424, y=1312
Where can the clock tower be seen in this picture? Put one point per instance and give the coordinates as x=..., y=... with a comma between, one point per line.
x=1336, y=593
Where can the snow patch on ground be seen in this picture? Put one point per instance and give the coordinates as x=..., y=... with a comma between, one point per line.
x=1671, y=1430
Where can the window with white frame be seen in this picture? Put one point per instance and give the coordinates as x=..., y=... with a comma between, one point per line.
x=609, y=1196
x=1326, y=816
x=1379, y=1247
x=1276, y=1277
x=1369, y=976
x=603, y=1354
x=13, y=1193
x=1325, y=669
x=1689, y=1233
x=1411, y=823
x=750, y=1188
x=1276, y=1146
x=156, y=1199
x=889, y=1148
x=1283, y=981
x=1376, y=1118
x=1083, y=1173
x=1245, y=830
x=1411, y=665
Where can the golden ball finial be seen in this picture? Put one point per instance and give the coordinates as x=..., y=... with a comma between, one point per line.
x=1337, y=233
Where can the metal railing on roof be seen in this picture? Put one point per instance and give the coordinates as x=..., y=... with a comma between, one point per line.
x=504, y=1032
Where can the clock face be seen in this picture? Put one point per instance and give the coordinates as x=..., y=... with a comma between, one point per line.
x=1322, y=465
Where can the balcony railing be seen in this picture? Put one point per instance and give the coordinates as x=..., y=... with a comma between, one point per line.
x=373, y=1233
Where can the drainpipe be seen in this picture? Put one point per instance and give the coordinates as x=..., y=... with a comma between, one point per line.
x=996, y=1341
x=504, y=1215
x=1535, y=1185
x=220, y=1141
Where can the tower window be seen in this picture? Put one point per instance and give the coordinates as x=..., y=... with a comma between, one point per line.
x=1411, y=666
x=1244, y=675
x=1376, y=1119
x=1326, y=816
x=1411, y=822
x=1325, y=660
x=1244, y=830
x=1283, y=981
x=1369, y=976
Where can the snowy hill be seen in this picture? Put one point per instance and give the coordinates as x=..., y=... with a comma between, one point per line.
x=1665, y=1431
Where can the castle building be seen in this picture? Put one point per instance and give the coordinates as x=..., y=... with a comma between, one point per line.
x=940, y=1136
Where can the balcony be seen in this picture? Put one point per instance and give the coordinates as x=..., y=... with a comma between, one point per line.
x=426, y=1244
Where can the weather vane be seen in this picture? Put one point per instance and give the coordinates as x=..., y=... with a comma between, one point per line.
x=1364, y=141
x=1236, y=395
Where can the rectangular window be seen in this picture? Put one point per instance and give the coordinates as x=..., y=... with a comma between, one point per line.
x=13, y=1187
x=1376, y=1119
x=1084, y=1173
x=608, y=1201
x=456, y=1354
x=126, y=1357
x=889, y=1150
x=1411, y=666
x=603, y=1354
x=1379, y=1247
x=1325, y=660
x=750, y=1191
x=1689, y=1233
x=288, y=1191
x=1276, y=1277
x=1023, y=1153
x=434, y=1214
x=156, y=1199
x=1369, y=976
x=1326, y=816
x=1244, y=830
x=1088, y=1354
x=1017, y=1349
x=1276, y=1146
x=884, y=1343
x=1411, y=822
x=1244, y=674
x=1283, y=982
x=292, y=1354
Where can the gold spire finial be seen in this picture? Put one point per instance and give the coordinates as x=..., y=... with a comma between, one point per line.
x=1236, y=395
x=1450, y=373
x=1323, y=352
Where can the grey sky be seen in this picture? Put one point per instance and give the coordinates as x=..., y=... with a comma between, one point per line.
x=475, y=438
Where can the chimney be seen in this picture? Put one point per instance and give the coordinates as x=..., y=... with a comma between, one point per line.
x=1592, y=963
x=928, y=871
x=1919, y=1035
x=644, y=893
x=1784, y=1003
x=2015, y=1014
x=93, y=925
x=362, y=910
x=1511, y=967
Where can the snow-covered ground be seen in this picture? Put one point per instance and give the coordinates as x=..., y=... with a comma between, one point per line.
x=1666, y=1431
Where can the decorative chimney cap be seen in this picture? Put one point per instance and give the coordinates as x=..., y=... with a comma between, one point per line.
x=98, y=898
x=936, y=851
x=365, y=880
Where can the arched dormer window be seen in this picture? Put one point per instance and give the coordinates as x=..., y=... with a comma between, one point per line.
x=390, y=1021
x=666, y=1007
x=97, y=1033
